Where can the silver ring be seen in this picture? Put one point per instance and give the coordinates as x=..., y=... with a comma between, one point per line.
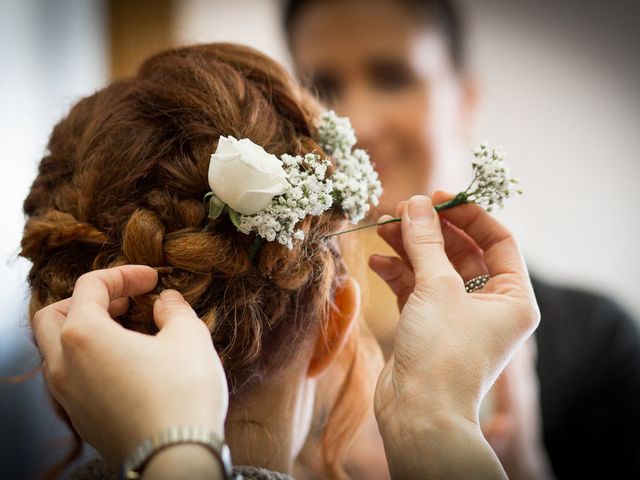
x=476, y=283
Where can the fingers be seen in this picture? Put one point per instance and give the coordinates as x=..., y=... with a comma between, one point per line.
x=423, y=241
x=392, y=233
x=171, y=312
x=501, y=251
x=118, y=307
x=396, y=274
x=463, y=253
x=94, y=291
x=47, y=324
x=440, y=196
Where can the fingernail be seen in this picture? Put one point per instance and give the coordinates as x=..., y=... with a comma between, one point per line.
x=420, y=209
x=170, y=295
x=384, y=218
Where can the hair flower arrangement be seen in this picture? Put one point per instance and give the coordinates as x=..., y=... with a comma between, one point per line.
x=490, y=186
x=269, y=196
x=355, y=180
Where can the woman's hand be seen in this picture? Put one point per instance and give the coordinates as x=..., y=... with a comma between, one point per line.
x=450, y=346
x=118, y=386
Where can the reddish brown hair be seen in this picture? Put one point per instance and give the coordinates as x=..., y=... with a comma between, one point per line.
x=123, y=182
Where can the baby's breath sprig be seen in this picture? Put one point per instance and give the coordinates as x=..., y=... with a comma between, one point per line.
x=307, y=192
x=490, y=186
x=491, y=183
x=355, y=181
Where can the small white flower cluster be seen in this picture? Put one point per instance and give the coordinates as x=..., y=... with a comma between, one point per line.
x=491, y=182
x=308, y=193
x=270, y=196
x=355, y=182
x=336, y=134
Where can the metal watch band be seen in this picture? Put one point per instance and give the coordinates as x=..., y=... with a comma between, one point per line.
x=134, y=463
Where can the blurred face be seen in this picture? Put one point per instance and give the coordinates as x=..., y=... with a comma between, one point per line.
x=391, y=73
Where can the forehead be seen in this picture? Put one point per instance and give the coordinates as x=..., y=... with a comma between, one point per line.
x=331, y=32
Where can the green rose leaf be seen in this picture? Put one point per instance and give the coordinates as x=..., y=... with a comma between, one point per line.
x=234, y=216
x=216, y=206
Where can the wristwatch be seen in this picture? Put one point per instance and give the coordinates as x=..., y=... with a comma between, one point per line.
x=134, y=464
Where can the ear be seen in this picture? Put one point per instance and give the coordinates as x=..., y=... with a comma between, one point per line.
x=342, y=317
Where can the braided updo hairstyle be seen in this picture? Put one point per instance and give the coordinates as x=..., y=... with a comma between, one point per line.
x=123, y=180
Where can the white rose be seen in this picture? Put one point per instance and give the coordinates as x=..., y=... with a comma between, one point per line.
x=244, y=176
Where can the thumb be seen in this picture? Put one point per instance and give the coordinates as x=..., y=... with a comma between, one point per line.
x=423, y=241
x=171, y=308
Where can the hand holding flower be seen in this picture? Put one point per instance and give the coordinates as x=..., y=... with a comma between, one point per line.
x=490, y=186
x=444, y=334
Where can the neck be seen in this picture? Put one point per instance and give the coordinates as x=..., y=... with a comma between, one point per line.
x=268, y=427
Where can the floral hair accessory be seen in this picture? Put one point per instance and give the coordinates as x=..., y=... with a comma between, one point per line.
x=245, y=176
x=269, y=196
x=490, y=186
x=355, y=181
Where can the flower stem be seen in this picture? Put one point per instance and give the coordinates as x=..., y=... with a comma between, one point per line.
x=459, y=199
x=255, y=247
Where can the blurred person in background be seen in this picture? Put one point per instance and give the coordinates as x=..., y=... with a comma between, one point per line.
x=568, y=404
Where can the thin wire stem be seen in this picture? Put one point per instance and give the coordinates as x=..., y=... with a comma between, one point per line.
x=454, y=202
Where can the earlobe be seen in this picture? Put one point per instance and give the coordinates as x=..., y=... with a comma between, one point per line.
x=342, y=317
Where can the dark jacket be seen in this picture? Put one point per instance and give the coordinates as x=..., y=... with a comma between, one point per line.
x=589, y=371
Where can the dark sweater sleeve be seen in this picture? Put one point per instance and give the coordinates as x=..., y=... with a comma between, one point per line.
x=589, y=371
x=94, y=470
